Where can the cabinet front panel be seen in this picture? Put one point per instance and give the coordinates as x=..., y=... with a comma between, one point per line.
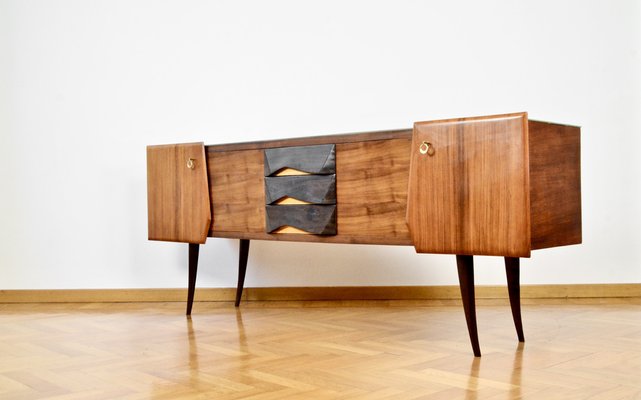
x=371, y=194
x=469, y=186
x=177, y=194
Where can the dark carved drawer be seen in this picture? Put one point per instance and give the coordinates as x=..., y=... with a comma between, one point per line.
x=316, y=189
x=319, y=159
x=313, y=184
x=311, y=218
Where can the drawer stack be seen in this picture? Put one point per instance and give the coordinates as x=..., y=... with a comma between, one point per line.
x=300, y=189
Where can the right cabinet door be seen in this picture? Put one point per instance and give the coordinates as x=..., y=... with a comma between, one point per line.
x=468, y=188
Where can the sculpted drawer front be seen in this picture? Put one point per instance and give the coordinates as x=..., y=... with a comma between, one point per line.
x=314, y=189
x=300, y=190
x=310, y=218
x=319, y=160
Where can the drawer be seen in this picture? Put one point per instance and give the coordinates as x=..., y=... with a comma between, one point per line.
x=319, y=160
x=311, y=218
x=315, y=189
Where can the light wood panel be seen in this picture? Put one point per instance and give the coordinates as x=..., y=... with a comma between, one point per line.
x=369, y=350
x=472, y=195
x=555, y=184
x=336, y=293
x=177, y=193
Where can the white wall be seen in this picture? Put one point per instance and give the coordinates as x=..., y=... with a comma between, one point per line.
x=86, y=85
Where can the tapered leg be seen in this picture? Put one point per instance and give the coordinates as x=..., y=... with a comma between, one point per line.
x=512, y=269
x=465, y=266
x=242, y=268
x=193, y=268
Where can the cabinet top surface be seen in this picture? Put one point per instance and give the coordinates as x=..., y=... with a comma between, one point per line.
x=313, y=140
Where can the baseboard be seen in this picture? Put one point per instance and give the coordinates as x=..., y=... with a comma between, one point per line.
x=317, y=293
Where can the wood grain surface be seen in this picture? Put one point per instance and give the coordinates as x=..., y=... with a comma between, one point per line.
x=472, y=195
x=318, y=350
x=236, y=190
x=177, y=196
x=371, y=189
x=314, y=140
x=555, y=184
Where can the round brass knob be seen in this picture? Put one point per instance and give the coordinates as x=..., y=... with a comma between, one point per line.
x=426, y=148
x=191, y=163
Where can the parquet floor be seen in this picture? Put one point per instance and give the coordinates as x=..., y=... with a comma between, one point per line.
x=331, y=350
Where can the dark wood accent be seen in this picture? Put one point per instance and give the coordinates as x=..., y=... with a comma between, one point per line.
x=312, y=218
x=243, y=254
x=313, y=140
x=317, y=189
x=472, y=195
x=177, y=196
x=193, y=269
x=319, y=159
x=465, y=265
x=555, y=184
x=512, y=271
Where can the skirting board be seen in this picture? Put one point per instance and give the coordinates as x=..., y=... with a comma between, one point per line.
x=317, y=293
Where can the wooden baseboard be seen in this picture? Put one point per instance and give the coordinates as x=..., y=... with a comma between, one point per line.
x=317, y=293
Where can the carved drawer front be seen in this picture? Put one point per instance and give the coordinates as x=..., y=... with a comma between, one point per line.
x=300, y=190
x=320, y=160
x=314, y=189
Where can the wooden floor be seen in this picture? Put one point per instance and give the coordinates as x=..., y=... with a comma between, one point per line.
x=313, y=350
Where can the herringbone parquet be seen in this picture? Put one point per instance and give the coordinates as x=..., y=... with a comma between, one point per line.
x=307, y=350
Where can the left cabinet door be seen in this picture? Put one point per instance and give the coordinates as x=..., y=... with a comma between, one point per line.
x=178, y=203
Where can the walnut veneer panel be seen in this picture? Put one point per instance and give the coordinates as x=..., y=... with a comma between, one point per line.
x=371, y=188
x=555, y=184
x=472, y=195
x=177, y=195
x=236, y=181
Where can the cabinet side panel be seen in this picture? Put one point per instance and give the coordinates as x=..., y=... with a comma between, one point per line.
x=177, y=193
x=555, y=183
x=471, y=196
x=236, y=186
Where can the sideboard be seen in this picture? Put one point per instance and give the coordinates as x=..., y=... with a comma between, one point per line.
x=499, y=185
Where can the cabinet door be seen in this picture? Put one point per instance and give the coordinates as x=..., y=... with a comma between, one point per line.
x=178, y=193
x=469, y=186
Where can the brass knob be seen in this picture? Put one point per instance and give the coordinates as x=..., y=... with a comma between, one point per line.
x=191, y=163
x=426, y=148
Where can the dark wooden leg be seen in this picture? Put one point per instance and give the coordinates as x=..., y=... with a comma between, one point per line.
x=514, y=289
x=465, y=266
x=193, y=267
x=242, y=268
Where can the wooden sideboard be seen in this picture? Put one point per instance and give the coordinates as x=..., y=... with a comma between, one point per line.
x=497, y=185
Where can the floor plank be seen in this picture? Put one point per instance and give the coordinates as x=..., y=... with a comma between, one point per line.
x=575, y=349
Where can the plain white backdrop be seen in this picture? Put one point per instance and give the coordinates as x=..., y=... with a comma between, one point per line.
x=86, y=85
